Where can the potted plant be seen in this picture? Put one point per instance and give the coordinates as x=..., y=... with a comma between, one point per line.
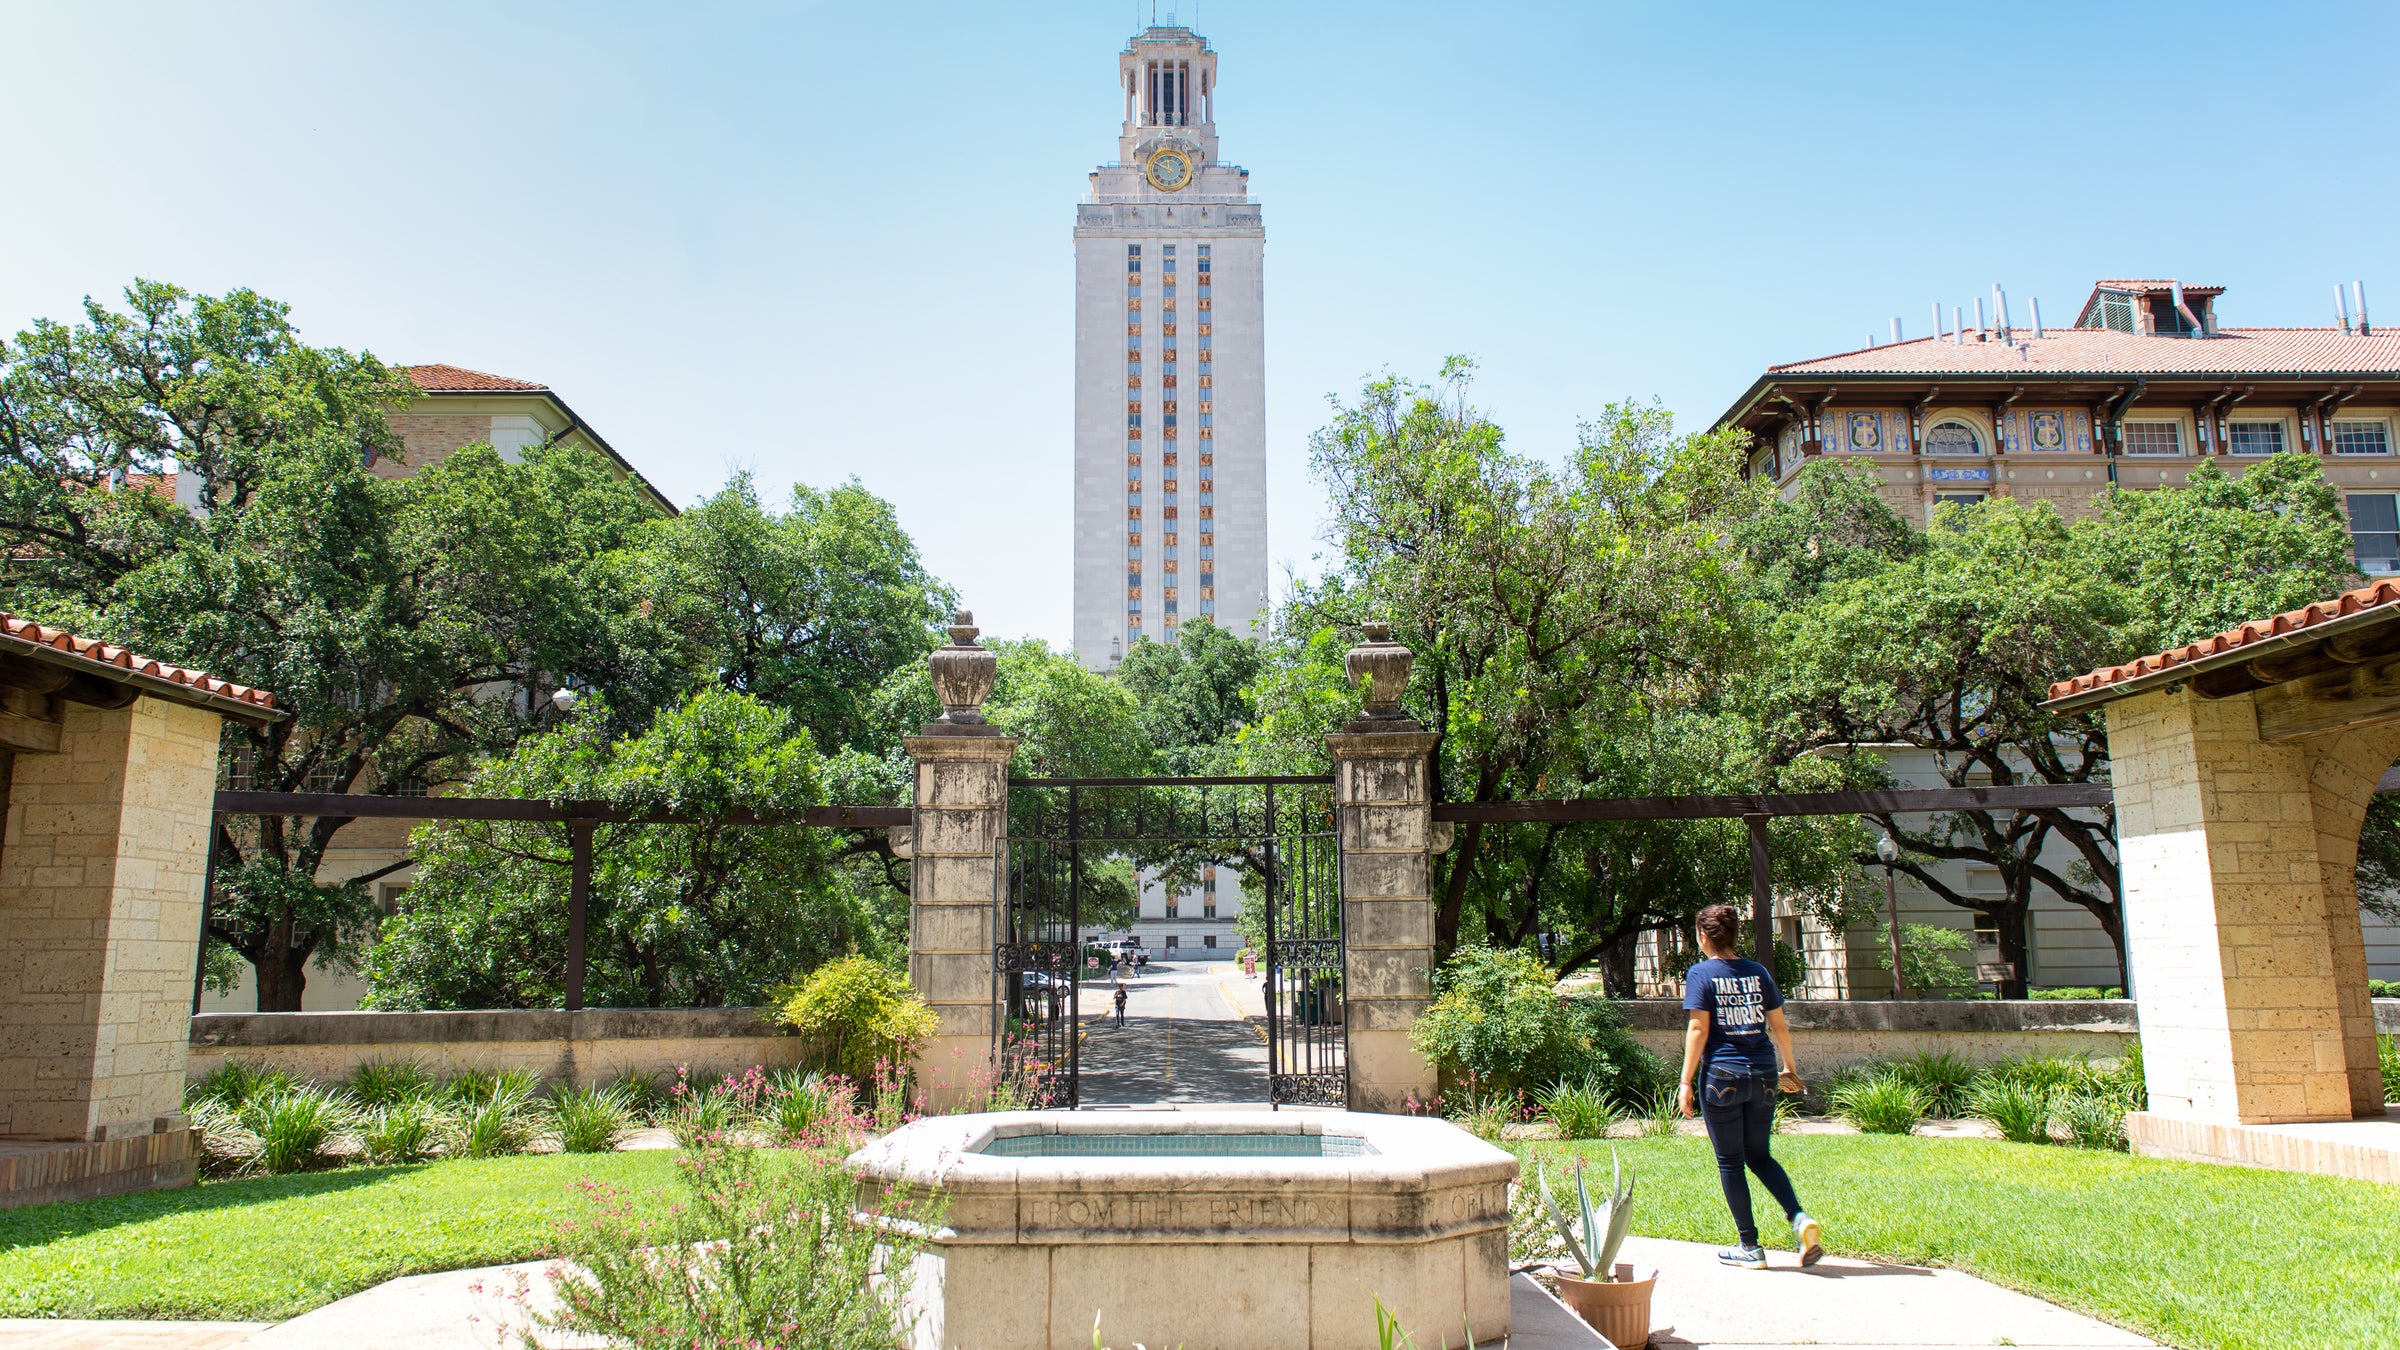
x=1613, y=1296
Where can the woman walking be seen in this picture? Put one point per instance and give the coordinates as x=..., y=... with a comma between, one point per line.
x=1730, y=1042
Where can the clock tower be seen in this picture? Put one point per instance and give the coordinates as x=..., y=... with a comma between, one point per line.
x=1170, y=368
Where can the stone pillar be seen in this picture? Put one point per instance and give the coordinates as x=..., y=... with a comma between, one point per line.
x=2238, y=960
x=955, y=868
x=100, y=883
x=1383, y=805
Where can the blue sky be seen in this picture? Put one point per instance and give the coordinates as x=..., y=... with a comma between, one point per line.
x=823, y=241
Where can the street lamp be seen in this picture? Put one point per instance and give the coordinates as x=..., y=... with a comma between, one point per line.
x=565, y=699
x=1888, y=849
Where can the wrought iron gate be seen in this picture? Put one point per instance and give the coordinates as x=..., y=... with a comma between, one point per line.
x=1077, y=852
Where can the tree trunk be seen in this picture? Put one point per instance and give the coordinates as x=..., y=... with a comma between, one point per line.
x=1616, y=965
x=2014, y=949
x=282, y=979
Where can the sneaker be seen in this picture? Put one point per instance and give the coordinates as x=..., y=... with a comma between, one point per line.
x=1749, y=1258
x=1809, y=1237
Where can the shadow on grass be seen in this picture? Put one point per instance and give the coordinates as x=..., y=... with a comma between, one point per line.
x=36, y=1225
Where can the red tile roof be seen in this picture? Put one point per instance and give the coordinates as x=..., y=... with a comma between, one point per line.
x=113, y=662
x=2379, y=595
x=440, y=379
x=2104, y=351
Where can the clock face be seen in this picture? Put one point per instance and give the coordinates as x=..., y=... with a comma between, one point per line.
x=1170, y=171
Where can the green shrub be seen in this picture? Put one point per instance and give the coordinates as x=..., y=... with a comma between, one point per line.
x=764, y=1251
x=298, y=1128
x=502, y=1123
x=2076, y=991
x=1945, y=1080
x=1927, y=953
x=1484, y=1113
x=235, y=1082
x=382, y=1082
x=812, y=1109
x=1884, y=1104
x=863, y=1012
x=474, y=1087
x=2048, y=1075
x=1662, y=1113
x=2090, y=1121
x=408, y=1130
x=2383, y=988
x=1580, y=1110
x=589, y=1119
x=1497, y=1018
x=2019, y=1112
x=643, y=1096
x=2387, y=1049
x=227, y=1147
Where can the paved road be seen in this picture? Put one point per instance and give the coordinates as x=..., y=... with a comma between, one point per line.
x=1182, y=1042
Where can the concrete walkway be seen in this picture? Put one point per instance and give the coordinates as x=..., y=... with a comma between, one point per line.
x=1182, y=1043
x=1700, y=1305
x=1841, y=1301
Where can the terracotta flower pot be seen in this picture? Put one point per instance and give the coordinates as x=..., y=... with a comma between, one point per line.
x=1618, y=1309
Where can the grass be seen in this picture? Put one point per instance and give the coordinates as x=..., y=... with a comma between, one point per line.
x=2189, y=1254
x=268, y=1248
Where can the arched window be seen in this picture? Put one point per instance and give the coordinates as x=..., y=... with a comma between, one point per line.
x=1953, y=438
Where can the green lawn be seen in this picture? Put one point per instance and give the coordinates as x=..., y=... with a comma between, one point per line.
x=2191, y=1255
x=274, y=1247
x=2187, y=1254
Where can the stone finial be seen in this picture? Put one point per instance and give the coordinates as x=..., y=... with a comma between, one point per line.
x=962, y=677
x=1382, y=665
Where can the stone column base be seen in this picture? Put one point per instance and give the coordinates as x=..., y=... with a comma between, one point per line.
x=39, y=1173
x=2365, y=1150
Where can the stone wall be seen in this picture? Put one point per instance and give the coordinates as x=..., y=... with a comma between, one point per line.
x=1827, y=1034
x=100, y=881
x=593, y=1045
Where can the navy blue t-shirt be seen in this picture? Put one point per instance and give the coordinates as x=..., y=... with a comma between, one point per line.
x=1736, y=995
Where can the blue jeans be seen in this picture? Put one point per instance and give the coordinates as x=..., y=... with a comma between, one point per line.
x=1738, y=1106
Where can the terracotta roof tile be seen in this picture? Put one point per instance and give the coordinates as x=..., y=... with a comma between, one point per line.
x=116, y=658
x=2104, y=351
x=2380, y=594
x=440, y=379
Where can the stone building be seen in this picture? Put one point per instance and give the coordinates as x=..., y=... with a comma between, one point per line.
x=1170, y=479
x=2142, y=388
x=2138, y=391
x=107, y=763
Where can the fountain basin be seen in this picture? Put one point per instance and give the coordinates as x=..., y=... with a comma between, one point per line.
x=1202, y=1229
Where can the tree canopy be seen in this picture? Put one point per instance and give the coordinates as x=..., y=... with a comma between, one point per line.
x=1947, y=639
x=680, y=915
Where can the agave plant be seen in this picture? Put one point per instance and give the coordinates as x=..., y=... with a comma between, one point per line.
x=1603, y=1226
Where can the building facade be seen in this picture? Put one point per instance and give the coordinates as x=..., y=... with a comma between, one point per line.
x=1170, y=368
x=2140, y=391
